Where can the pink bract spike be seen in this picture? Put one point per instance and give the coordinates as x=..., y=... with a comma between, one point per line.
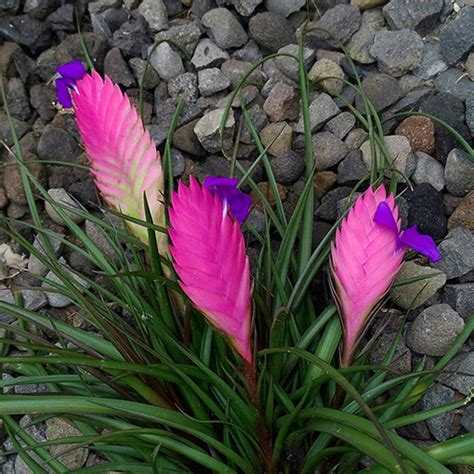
x=123, y=157
x=365, y=259
x=209, y=254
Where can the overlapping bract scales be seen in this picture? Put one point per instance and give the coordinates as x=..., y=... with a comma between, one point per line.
x=209, y=254
x=365, y=258
x=123, y=157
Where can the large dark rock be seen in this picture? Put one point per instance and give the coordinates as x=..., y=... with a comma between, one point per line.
x=271, y=31
x=57, y=145
x=131, y=36
x=425, y=209
x=342, y=20
x=450, y=109
x=419, y=15
x=29, y=32
x=457, y=37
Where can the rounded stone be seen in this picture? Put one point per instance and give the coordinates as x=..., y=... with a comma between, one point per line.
x=420, y=132
x=325, y=68
x=277, y=137
x=13, y=182
x=401, y=156
x=64, y=201
x=224, y=28
x=271, y=31
x=428, y=170
x=288, y=167
x=434, y=330
x=459, y=173
x=412, y=295
x=166, y=62
x=58, y=428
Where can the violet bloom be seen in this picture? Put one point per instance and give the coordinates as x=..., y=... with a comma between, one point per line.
x=410, y=237
x=231, y=196
x=70, y=73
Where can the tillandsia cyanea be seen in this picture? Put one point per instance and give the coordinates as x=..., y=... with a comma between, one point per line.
x=365, y=258
x=208, y=246
x=123, y=157
x=208, y=249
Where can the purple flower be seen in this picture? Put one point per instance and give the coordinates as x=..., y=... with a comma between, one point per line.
x=410, y=237
x=70, y=73
x=231, y=196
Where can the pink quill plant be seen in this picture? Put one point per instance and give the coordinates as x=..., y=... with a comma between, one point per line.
x=123, y=157
x=365, y=258
x=208, y=249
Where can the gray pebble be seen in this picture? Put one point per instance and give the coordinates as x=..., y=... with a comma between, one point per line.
x=208, y=54
x=207, y=130
x=457, y=37
x=185, y=86
x=271, y=31
x=56, y=299
x=321, y=109
x=288, y=167
x=150, y=79
x=328, y=150
x=64, y=201
x=428, y=170
x=211, y=81
x=434, y=330
x=459, y=173
x=432, y=62
x=328, y=209
x=413, y=295
x=397, y=52
x=440, y=425
x=419, y=15
x=34, y=264
x=454, y=82
x=341, y=124
x=117, y=69
x=33, y=299
x=224, y=28
x=457, y=250
x=155, y=13
x=351, y=169
x=342, y=20
x=460, y=298
x=284, y=7
x=166, y=62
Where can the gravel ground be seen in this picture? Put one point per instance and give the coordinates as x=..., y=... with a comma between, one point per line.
x=412, y=55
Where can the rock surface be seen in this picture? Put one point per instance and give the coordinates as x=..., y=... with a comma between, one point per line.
x=434, y=330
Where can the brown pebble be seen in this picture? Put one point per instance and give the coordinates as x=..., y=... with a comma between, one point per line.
x=420, y=132
x=463, y=216
x=323, y=182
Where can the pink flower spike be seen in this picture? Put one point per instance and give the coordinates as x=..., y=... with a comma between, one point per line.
x=365, y=259
x=208, y=249
x=123, y=157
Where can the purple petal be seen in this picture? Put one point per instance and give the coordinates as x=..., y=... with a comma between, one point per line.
x=214, y=182
x=423, y=244
x=239, y=205
x=383, y=216
x=64, y=98
x=226, y=189
x=73, y=70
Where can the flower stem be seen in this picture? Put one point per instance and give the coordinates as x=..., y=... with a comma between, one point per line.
x=250, y=374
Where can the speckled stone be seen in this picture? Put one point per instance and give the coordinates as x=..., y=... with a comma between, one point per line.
x=415, y=294
x=420, y=132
